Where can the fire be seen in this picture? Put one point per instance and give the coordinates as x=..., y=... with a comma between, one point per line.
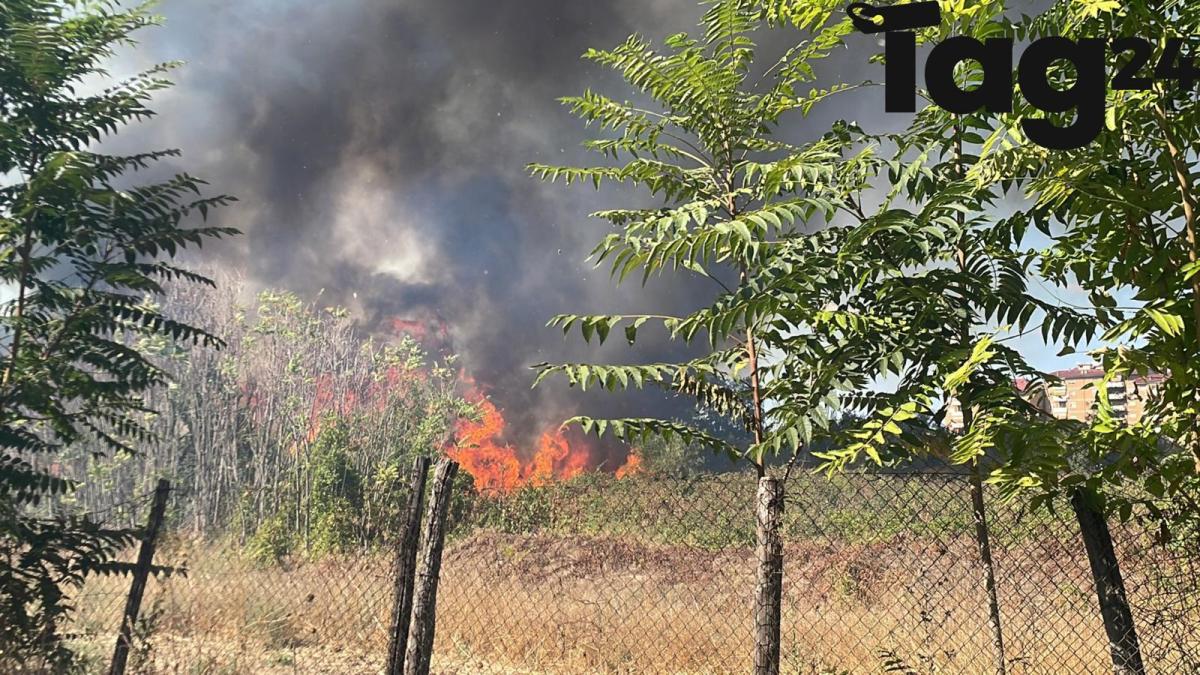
x=433, y=334
x=479, y=446
x=497, y=467
x=334, y=398
x=632, y=466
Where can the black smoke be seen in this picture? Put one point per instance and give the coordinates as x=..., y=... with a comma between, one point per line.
x=377, y=149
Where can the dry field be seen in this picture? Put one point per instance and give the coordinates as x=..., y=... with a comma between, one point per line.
x=552, y=604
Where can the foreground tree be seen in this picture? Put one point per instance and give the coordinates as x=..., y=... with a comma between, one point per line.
x=79, y=253
x=740, y=208
x=1124, y=212
x=953, y=284
x=947, y=290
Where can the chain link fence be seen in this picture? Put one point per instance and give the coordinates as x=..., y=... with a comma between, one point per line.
x=655, y=575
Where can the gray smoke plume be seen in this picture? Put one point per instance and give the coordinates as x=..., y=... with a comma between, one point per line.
x=377, y=149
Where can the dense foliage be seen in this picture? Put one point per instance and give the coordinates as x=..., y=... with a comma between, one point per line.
x=947, y=293
x=1123, y=213
x=880, y=279
x=740, y=207
x=81, y=246
x=296, y=437
x=838, y=289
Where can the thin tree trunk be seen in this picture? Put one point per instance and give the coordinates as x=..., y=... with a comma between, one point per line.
x=1183, y=178
x=978, y=506
x=756, y=395
x=22, y=283
x=768, y=596
x=756, y=409
x=984, y=546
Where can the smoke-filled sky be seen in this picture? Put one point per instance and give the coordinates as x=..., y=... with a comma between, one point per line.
x=377, y=149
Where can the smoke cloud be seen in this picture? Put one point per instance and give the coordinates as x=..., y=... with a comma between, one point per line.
x=377, y=150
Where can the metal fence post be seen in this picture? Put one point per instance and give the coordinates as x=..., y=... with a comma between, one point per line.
x=424, y=619
x=405, y=568
x=768, y=599
x=1110, y=587
x=141, y=573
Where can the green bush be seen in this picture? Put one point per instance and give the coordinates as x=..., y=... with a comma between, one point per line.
x=271, y=542
x=714, y=511
x=336, y=496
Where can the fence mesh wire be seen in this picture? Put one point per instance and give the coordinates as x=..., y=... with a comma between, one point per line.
x=654, y=575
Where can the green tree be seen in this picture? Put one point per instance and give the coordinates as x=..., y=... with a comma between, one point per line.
x=337, y=490
x=1123, y=214
x=740, y=207
x=948, y=293
x=79, y=251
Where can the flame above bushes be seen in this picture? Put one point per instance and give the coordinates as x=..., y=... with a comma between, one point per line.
x=481, y=447
x=632, y=466
x=497, y=466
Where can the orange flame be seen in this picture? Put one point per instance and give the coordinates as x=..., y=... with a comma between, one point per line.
x=432, y=334
x=478, y=446
x=497, y=467
x=632, y=466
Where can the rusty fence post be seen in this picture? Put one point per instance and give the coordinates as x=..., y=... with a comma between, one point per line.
x=419, y=656
x=141, y=573
x=1110, y=587
x=768, y=600
x=405, y=568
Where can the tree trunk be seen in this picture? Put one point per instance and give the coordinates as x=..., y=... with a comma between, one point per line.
x=22, y=283
x=1110, y=588
x=1183, y=177
x=984, y=545
x=978, y=507
x=420, y=638
x=768, y=599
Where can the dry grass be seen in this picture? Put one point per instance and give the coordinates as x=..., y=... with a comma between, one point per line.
x=230, y=615
x=605, y=606
x=541, y=603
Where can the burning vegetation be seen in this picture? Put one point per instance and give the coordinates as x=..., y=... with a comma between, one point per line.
x=479, y=446
x=483, y=445
x=497, y=466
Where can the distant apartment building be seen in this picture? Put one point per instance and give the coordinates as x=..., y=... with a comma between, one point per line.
x=1074, y=397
